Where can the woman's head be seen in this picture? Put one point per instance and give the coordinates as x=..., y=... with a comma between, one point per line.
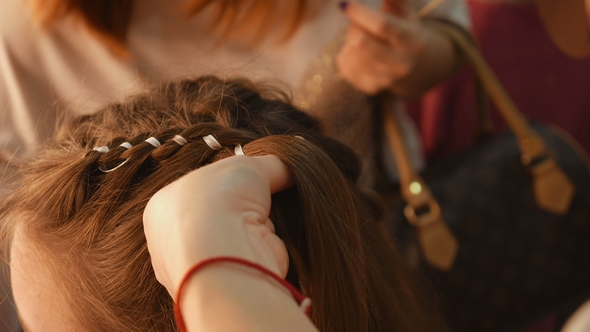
x=76, y=222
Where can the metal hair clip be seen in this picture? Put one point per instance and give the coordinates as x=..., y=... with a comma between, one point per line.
x=105, y=149
x=101, y=149
x=239, y=151
x=126, y=145
x=212, y=142
x=154, y=141
x=104, y=170
x=180, y=140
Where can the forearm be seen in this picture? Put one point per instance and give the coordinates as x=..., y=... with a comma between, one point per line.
x=438, y=59
x=225, y=297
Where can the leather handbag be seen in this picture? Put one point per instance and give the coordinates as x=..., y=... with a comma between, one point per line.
x=502, y=230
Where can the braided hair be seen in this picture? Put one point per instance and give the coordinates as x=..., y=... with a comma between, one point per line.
x=82, y=199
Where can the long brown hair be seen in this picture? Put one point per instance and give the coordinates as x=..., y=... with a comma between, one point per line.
x=248, y=20
x=88, y=222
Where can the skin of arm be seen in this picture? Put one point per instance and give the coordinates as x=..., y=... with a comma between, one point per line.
x=229, y=298
x=399, y=54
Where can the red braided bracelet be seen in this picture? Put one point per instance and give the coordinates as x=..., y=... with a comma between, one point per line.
x=304, y=302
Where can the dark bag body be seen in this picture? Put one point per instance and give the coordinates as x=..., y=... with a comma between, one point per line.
x=516, y=262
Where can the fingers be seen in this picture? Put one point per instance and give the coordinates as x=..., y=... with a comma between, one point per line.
x=386, y=65
x=378, y=24
x=381, y=50
x=279, y=175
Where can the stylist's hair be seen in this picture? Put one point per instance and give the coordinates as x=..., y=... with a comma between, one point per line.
x=82, y=208
x=248, y=20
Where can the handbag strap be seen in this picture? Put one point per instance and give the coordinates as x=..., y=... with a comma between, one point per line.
x=437, y=243
x=553, y=190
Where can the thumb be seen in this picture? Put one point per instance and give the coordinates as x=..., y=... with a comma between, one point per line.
x=278, y=173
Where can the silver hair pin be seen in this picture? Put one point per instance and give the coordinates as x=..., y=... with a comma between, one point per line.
x=239, y=151
x=126, y=145
x=212, y=142
x=102, y=169
x=101, y=149
x=105, y=149
x=180, y=140
x=154, y=141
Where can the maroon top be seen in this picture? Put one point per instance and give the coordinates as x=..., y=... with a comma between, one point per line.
x=546, y=84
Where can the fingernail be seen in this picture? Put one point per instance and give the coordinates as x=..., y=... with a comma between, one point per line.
x=344, y=5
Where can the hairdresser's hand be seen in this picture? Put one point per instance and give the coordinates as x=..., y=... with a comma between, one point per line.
x=218, y=210
x=398, y=53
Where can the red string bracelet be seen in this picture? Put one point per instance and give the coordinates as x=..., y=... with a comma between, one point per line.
x=302, y=300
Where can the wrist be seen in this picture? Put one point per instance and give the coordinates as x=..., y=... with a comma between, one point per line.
x=226, y=289
x=251, y=299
